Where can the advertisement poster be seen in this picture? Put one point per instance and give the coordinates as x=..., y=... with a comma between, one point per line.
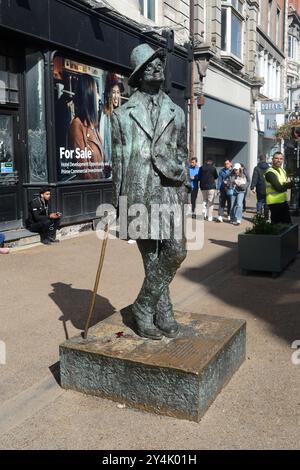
x=85, y=97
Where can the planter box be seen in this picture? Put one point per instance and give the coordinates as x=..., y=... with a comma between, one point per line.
x=268, y=252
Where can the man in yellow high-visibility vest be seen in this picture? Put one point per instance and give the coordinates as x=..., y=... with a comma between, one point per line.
x=276, y=191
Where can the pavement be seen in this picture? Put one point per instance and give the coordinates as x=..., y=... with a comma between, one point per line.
x=45, y=293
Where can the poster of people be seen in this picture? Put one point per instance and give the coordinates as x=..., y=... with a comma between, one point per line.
x=85, y=97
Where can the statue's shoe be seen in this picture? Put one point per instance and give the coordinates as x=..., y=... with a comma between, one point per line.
x=169, y=328
x=143, y=318
x=149, y=332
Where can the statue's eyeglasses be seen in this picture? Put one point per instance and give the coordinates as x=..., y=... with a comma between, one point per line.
x=156, y=64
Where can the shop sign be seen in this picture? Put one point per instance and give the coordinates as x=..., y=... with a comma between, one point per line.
x=270, y=126
x=272, y=107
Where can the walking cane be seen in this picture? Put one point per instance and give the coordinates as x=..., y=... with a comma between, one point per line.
x=100, y=265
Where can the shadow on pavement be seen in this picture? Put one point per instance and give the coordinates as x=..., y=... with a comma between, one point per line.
x=74, y=305
x=55, y=371
x=226, y=243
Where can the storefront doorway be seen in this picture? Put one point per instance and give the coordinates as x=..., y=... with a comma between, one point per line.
x=220, y=150
x=10, y=211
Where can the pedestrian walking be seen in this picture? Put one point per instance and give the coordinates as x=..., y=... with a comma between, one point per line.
x=194, y=170
x=258, y=185
x=237, y=183
x=224, y=194
x=245, y=171
x=207, y=178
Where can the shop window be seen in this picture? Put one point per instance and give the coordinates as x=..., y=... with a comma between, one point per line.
x=148, y=8
x=215, y=151
x=9, y=87
x=36, y=118
x=6, y=150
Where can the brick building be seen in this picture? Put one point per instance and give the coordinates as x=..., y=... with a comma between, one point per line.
x=271, y=65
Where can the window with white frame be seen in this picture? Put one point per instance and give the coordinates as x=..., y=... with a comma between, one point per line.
x=278, y=80
x=292, y=44
x=232, y=27
x=290, y=81
x=278, y=20
x=270, y=5
x=148, y=8
x=204, y=20
x=259, y=13
x=237, y=4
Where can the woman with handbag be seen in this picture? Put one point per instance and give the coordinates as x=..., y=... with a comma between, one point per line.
x=237, y=185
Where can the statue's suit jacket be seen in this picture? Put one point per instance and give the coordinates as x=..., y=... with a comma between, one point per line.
x=150, y=166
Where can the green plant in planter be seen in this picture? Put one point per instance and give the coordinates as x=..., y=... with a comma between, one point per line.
x=261, y=226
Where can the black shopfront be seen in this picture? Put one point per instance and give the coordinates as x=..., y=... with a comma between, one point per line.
x=45, y=47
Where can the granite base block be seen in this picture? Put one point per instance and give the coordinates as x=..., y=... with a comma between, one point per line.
x=179, y=377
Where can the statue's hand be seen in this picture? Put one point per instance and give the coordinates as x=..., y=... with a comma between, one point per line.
x=169, y=168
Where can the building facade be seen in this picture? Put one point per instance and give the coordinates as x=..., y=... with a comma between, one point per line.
x=49, y=49
x=224, y=76
x=233, y=69
x=293, y=56
x=226, y=81
x=271, y=65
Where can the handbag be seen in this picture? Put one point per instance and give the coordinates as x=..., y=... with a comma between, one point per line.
x=229, y=192
x=242, y=184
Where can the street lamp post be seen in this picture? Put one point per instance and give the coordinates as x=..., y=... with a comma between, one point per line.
x=295, y=193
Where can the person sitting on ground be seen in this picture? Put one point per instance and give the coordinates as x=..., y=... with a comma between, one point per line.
x=3, y=250
x=40, y=219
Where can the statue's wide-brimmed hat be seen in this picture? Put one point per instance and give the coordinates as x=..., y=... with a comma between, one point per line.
x=140, y=57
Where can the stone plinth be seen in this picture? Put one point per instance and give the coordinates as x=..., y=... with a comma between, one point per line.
x=179, y=377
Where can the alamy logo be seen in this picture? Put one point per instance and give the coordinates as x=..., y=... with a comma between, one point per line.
x=2, y=353
x=296, y=354
x=157, y=222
